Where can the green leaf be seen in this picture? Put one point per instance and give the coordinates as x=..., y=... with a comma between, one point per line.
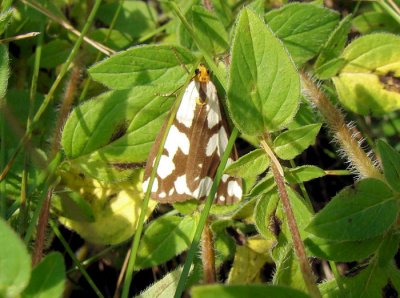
x=223, y=11
x=163, y=288
x=224, y=291
x=107, y=136
x=304, y=116
x=4, y=71
x=267, y=223
x=303, y=28
x=287, y=272
x=116, y=39
x=135, y=17
x=302, y=213
x=209, y=30
x=359, y=212
x=391, y=164
x=158, y=66
x=73, y=206
x=375, y=21
x=15, y=263
x=224, y=244
x=370, y=81
x=54, y=53
x=165, y=238
x=5, y=18
x=264, y=85
x=48, y=278
x=341, y=250
x=303, y=174
x=330, y=68
x=333, y=48
x=251, y=164
x=293, y=142
x=369, y=283
x=265, y=185
x=388, y=248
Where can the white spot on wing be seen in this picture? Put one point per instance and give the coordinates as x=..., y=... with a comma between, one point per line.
x=175, y=140
x=185, y=113
x=171, y=191
x=234, y=189
x=218, y=141
x=222, y=198
x=204, y=188
x=214, y=114
x=162, y=195
x=145, y=184
x=225, y=178
x=165, y=167
x=181, y=185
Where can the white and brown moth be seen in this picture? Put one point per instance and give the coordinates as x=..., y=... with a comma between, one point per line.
x=193, y=149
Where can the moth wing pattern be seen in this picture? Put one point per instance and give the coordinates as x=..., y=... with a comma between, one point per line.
x=192, y=151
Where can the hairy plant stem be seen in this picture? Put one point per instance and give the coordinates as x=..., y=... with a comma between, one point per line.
x=208, y=255
x=298, y=245
x=345, y=135
x=66, y=105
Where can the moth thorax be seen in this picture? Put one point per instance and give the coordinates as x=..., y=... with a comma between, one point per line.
x=202, y=74
x=202, y=99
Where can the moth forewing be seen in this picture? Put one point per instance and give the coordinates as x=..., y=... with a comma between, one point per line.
x=193, y=148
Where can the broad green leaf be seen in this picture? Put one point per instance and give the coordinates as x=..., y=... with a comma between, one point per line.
x=334, y=46
x=163, y=288
x=265, y=185
x=391, y=164
x=115, y=207
x=303, y=174
x=302, y=213
x=388, y=248
x=72, y=205
x=4, y=71
x=246, y=209
x=135, y=17
x=264, y=85
x=165, y=238
x=157, y=66
x=116, y=39
x=303, y=28
x=223, y=11
x=287, y=272
x=15, y=263
x=341, y=250
x=5, y=18
x=224, y=244
x=304, y=116
x=48, y=278
x=251, y=164
x=370, y=81
x=293, y=142
x=369, y=283
x=247, y=264
x=359, y=212
x=209, y=30
x=258, y=6
x=330, y=68
x=265, y=219
x=375, y=21
x=224, y=291
x=54, y=53
x=108, y=135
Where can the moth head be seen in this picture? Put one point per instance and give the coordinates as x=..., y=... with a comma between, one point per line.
x=202, y=74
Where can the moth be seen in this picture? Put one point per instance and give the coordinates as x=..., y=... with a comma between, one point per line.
x=193, y=149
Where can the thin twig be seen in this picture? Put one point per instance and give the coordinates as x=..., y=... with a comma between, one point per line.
x=298, y=245
x=19, y=37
